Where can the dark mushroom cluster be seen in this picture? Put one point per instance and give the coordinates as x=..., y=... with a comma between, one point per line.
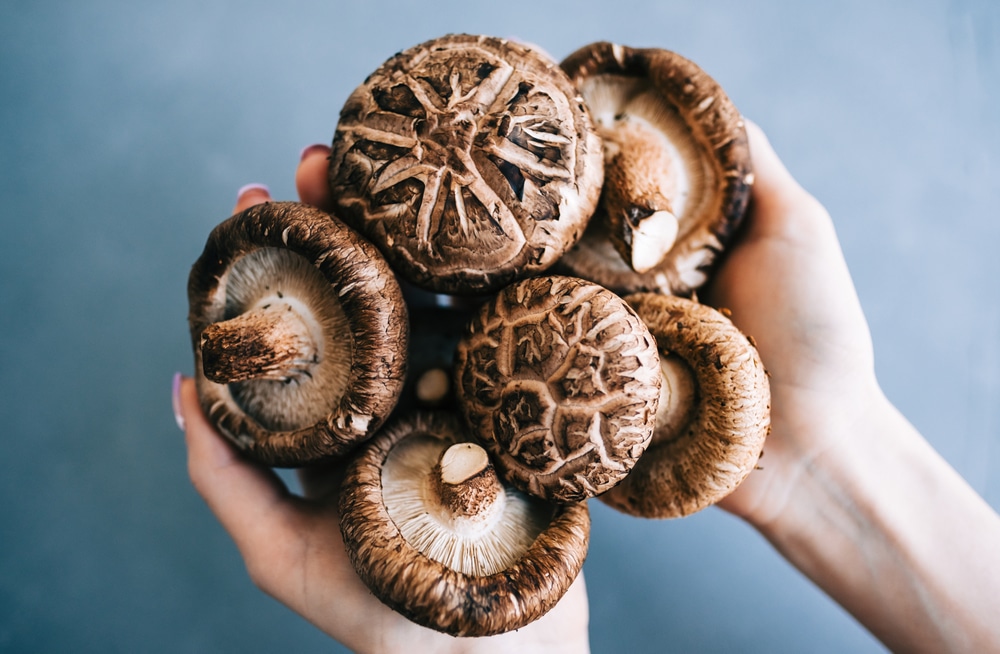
x=564, y=216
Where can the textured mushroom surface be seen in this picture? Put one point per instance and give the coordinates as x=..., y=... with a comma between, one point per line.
x=711, y=434
x=476, y=561
x=677, y=166
x=299, y=331
x=560, y=379
x=469, y=160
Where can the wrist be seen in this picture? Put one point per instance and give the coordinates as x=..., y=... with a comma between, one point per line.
x=885, y=527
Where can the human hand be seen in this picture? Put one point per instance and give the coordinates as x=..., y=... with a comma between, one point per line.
x=292, y=546
x=787, y=285
x=849, y=492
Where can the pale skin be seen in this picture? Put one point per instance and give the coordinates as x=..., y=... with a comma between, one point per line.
x=848, y=491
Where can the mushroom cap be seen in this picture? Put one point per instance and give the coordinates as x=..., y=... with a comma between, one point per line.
x=711, y=452
x=426, y=590
x=294, y=253
x=702, y=130
x=560, y=379
x=469, y=161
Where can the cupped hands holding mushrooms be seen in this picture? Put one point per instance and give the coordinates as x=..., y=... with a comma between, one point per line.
x=837, y=492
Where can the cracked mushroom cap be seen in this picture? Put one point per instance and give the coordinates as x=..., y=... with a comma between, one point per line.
x=677, y=170
x=469, y=161
x=436, y=536
x=560, y=379
x=714, y=412
x=299, y=332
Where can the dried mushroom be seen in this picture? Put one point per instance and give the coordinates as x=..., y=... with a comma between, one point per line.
x=469, y=161
x=714, y=414
x=299, y=332
x=435, y=535
x=677, y=170
x=560, y=379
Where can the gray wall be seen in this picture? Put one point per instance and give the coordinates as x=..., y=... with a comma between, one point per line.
x=125, y=129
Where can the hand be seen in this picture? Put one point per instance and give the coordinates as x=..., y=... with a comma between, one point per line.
x=292, y=545
x=788, y=287
x=849, y=492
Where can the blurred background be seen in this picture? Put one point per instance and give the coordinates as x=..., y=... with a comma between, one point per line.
x=127, y=127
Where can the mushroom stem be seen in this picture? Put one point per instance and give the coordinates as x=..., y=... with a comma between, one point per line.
x=273, y=341
x=433, y=387
x=466, y=481
x=645, y=188
x=678, y=398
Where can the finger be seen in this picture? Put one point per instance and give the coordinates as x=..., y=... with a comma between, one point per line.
x=770, y=173
x=249, y=500
x=250, y=195
x=780, y=206
x=311, y=177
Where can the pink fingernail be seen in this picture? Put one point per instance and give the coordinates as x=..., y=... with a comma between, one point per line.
x=252, y=187
x=176, y=400
x=315, y=147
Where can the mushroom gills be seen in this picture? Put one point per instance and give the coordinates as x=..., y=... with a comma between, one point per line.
x=297, y=386
x=448, y=503
x=655, y=178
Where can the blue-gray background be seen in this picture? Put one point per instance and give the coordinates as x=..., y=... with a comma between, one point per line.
x=126, y=128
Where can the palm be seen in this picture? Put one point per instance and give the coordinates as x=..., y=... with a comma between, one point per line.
x=788, y=287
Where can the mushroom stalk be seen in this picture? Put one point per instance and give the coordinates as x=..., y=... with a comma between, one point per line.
x=273, y=341
x=678, y=398
x=466, y=481
x=643, y=189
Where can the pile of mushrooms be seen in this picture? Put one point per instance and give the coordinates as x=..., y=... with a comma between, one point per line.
x=565, y=215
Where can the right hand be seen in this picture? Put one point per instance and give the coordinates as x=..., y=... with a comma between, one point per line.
x=787, y=285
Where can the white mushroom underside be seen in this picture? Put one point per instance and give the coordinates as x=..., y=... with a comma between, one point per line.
x=626, y=106
x=478, y=546
x=274, y=275
x=618, y=102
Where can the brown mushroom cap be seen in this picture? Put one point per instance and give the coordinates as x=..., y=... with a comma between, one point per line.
x=469, y=161
x=456, y=579
x=560, y=379
x=676, y=156
x=299, y=332
x=699, y=453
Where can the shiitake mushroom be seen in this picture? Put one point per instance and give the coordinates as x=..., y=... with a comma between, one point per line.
x=714, y=413
x=436, y=535
x=299, y=331
x=677, y=170
x=560, y=380
x=470, y=161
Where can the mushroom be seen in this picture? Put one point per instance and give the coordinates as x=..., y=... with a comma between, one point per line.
x=299, y=332
x=560, y=379
x=470, y=161
x=714, y=413
x=677, y=170
x=437, y=537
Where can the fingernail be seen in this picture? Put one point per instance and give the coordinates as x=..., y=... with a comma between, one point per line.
x=315, y=147
x=252, y=187
x=176, y=400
